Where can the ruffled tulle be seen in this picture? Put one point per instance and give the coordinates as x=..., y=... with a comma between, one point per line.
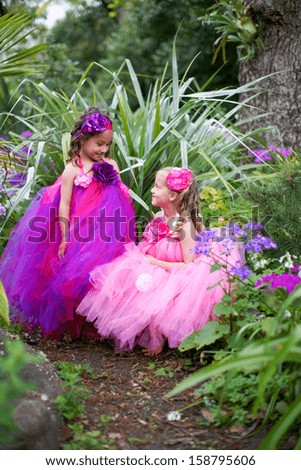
x=43, y=291
x=136, y=303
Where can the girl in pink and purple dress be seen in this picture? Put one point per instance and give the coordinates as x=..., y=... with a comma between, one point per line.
x=158, y=291
x=84, y=219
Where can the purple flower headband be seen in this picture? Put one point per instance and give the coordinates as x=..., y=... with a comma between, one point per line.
x=93, y=123
x=179, y=179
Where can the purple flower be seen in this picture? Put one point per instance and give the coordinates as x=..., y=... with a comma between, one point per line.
x=205, y=236
x=262, y=155
x=242, y=271
x=15, y=178
x=105, y=172
x=2, y=210
x=296, y=268
x=26, y=134
x=286, y=280
x=259, y=243
x=253, y=226
x=227, y=244
x=202, y=248
x=232, y=230
x=203, y=241
x=285, y=152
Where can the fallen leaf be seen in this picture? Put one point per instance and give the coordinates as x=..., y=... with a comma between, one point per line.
x=207, y=415
x=114, y=435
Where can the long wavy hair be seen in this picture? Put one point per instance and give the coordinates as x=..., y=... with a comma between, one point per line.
x=75, y=145
x=188, y=203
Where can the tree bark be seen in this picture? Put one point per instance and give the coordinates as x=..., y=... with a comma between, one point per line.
x=282, y=53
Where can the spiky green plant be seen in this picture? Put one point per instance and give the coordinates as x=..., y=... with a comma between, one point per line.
x=176, y=124
x=4, y=308
x=13, y=30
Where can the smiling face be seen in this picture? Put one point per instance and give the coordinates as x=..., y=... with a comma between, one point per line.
x=97, y=146
x=161, y=194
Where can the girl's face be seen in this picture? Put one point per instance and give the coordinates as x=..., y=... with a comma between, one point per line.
x=97, y=146
x=161, y=194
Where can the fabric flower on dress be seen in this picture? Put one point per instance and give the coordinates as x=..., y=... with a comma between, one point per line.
x=105, y=173
x=83, y=180
x=156, y=230
x=179, y=179
x=144, y=282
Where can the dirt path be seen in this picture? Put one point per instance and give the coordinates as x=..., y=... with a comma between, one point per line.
x=128, y=404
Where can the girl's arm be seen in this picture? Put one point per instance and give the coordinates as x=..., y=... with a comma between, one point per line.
x=165, y=264
x=68, y=177
x=187, y=237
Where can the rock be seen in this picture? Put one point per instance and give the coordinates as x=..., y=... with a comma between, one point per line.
x=38, y=424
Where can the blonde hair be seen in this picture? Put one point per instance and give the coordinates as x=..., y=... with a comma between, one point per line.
x=188, y=202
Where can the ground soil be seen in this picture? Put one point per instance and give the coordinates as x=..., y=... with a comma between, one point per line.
x=128, y=403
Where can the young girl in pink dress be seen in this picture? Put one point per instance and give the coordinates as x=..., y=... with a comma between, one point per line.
x=83, y=220
x=158, y=291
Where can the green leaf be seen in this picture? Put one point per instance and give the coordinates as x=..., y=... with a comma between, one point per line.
x=207, y=335
x=252, y=361
x=4, y=308
x=270, y=325
x=281, y=427
x=135, y=84
x=222, y=309
x=215, y=267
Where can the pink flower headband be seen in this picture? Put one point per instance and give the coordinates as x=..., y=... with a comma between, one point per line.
x=179, y=179
x=93, y=123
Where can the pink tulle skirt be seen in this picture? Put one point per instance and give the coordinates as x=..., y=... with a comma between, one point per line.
x=136, y=303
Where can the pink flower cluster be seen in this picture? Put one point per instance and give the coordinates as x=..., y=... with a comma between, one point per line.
x=83, y=180
x=286, y=280
x=179, y=179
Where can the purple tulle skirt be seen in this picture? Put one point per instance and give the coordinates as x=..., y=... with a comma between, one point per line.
x=43, y=291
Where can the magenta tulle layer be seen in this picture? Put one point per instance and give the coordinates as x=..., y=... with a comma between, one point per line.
x=43, y=291
x=136, y=303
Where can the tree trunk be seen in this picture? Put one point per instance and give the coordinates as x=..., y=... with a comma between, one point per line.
x=282, y=53
x=2, y=9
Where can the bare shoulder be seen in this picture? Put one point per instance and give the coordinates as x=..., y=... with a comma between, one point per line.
x=188, y=231
x=159, y=214
x=188, y=225
x=70, y=172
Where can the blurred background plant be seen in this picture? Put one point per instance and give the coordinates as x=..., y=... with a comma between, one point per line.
x=12, y=385
x=233, y=22
x=178, y=123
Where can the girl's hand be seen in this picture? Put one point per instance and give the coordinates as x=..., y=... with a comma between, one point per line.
x=152, y=259
x=62, y=249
